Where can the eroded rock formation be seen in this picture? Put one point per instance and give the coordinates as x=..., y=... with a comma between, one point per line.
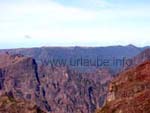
x=130, y=91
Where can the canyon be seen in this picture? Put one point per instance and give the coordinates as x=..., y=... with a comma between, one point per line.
x=26, y=76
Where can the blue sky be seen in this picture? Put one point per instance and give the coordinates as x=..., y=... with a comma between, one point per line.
x=35, y=23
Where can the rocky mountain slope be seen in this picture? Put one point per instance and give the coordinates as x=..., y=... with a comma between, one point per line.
x=9, y=105
x=19, y=78
x=72, y=92
x=53, y=89
x=130, y=91
x=61, y=89
x=140, y=58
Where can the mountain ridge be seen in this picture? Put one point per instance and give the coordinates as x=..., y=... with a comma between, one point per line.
x=130, y=91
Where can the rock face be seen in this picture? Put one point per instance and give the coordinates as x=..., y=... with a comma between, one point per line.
x=72, y=92
x=19, y=78
x=62, y=90
x=130, y=91
x=9, y=105
x=53, y=89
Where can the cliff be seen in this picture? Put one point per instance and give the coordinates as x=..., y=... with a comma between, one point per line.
x=130, y=91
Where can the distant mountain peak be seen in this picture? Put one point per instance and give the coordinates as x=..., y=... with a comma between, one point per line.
x=131, y=45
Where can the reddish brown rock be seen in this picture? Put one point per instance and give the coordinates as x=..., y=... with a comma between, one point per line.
x=130, y=91
x=53, y=89
x=19, y=78
x=9, y=105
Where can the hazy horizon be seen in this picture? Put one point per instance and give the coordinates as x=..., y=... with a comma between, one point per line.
x=73, y=46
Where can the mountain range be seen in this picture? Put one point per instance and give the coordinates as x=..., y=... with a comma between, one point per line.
x=61, y=56
x=27, y=75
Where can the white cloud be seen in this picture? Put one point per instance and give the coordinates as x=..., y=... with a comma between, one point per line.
x=49, y=23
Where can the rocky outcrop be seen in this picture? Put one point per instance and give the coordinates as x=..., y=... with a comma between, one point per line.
x=130, y=91
x=19, y=77
x=8, y=104
x=72, y=92
x=61, y=89
x=52, y=89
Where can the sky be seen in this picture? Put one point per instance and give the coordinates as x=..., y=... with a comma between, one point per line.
x=36, y=23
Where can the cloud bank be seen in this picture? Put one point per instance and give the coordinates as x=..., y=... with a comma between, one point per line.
x=58, y=23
